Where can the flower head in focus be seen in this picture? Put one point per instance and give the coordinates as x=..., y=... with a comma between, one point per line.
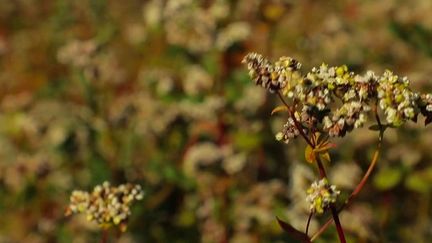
x=271, y=77
x=334, y=100
x=321, y=195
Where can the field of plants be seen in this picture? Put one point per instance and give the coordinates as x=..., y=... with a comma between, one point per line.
x=140, y=121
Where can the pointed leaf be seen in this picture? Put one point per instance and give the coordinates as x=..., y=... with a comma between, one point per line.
x=325, y=156
x=310, y=154
x=278, y=109
x=324, y=147
x=294, y=233
x=375, y=127
x=321, y=138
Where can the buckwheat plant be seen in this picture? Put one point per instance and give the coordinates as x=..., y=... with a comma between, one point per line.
x=106, y=205
x=330, y=102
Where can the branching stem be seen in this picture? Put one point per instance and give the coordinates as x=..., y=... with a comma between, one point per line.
x=296, y=122
x=333, y=210
x=320, y=165
x=363, y=181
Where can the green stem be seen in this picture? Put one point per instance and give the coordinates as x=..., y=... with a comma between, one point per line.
x=88, y=90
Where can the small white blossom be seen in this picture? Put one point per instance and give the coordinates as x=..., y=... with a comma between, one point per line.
x=321, y=195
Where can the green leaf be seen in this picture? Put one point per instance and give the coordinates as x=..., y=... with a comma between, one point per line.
x=325, y=156
x=387, y=178
x=377, y=127
x=417, y=182
x=374, y=127
x=246, y=141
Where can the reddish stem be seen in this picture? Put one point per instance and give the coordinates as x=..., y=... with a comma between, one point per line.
x=104, y=237
x=334, y=212
x=363, y=180
x=319, y=163
x=296, y=122
x=338, y=224
x=352, y=196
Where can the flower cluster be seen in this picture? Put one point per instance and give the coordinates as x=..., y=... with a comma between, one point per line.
x=350, y=115
x=425, y=106
x=289, y=131
x=396, y=100
x=271, y=77
x=334, y=100
x=106, y=205
x=321, y=195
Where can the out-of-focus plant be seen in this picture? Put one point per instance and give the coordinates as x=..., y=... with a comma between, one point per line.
x=106, y=205
x=330, y=102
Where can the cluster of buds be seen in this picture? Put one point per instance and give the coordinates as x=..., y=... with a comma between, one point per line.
x=333, y=100
x=425, y=106
x=289, y=131
x=321, y=195
x=396, y=100
x=106, y=205
x=271, y=77
x=351, y=115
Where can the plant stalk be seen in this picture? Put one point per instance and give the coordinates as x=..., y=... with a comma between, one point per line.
x=320, y=165
x=334, y=212
x=104, y=237
x=358, y=188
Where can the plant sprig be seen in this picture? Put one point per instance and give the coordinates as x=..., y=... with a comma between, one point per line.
x=331, y=102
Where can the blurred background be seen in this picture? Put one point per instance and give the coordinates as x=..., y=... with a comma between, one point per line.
x=153, y=92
